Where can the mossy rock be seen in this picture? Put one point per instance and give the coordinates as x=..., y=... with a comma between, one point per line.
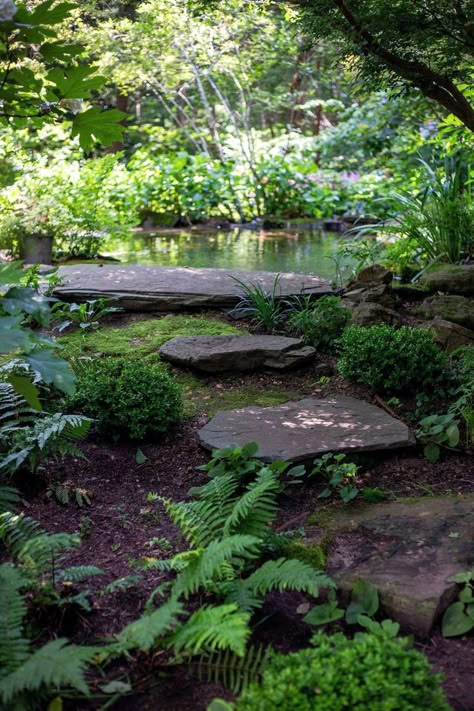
x=311, y=553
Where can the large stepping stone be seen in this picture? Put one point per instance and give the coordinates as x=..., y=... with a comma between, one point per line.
x=298, y=431
x=217, y=354
x=140, y=288
x=408, y=550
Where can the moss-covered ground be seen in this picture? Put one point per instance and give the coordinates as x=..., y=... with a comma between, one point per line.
x=143, y=338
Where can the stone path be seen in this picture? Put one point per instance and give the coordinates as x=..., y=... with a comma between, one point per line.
x=217, y=354
x=408, y=550
x=301, y=430
x=140, y=288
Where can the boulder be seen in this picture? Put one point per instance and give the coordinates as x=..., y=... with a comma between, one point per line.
x=453, y=279
x=404, y=548
x=448, y=307
x=380, y=294
x=301, y=430
x=369, y=314
x=451, y=336
x=217, y=354
x=373, y=275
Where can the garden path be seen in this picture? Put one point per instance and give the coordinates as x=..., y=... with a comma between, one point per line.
x=141, y=288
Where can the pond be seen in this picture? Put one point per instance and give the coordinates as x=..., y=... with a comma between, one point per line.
x=308, y=252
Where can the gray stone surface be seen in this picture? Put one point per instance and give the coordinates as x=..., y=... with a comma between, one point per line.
x=457, y=309
x=217, y=354
x=451, y=279
x=298, y=431
x=405, y=549
x=140, y=288
x=451, y=336
x=369, y=314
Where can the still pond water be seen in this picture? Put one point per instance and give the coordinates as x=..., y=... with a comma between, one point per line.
x=309, y=252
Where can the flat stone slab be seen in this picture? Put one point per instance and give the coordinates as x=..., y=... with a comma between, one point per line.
x=140, y=288
x=217, y=354
x=408, y=550
x=298, y=431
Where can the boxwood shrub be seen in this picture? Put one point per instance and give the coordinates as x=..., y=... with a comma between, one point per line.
x=136, y=399
x=390, y=359
x=340, y=674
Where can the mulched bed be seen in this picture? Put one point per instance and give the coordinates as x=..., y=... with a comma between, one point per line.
x=119, y=526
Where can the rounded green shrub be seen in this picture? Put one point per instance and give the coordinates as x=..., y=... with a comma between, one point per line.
x=339, y=674
x=137, y=399
x=389, y=359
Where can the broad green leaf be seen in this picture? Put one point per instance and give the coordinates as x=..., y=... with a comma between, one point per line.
x=452, y=434
x=455, y=621
x=50, y=13
x=96, y=126
x=431, y=452
x=10, y=272
x=220, y=705
x=22, y=298
x=52, y=369
x=140, y=458
x=323, y=614
x=53, y=51
x=75, y=82
x=365, y=601
x=27, y=389
x=464, y=577
x=12, y=336
x=116, y=687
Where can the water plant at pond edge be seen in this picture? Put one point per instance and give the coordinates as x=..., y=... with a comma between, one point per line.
x=264, y=308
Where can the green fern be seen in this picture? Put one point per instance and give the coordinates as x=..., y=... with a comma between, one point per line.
x=8, y=498
x=55, y=665
x=232, y=671
x=213, y=628
x=23, y=670
x=144, y=632
x=14, y=648
x=28, y=437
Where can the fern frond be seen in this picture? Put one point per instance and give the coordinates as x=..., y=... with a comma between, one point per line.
x=14, y=647
x=55, y=665
x=213, y=628
x=79, y=573
x=207, y=565
x=9, y=497
x=257, y=507
x=200, y=521
x=31, y=546
x=142, y=633
x=233, y=671
x=287, y=574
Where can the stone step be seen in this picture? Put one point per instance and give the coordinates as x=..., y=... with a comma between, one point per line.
x=141, y=288
x=218, y=354
x=302, y=430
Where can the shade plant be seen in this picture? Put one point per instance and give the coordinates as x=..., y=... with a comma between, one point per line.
x=393, y=360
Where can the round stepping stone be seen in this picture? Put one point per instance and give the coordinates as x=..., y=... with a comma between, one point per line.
x=298, y=431
x=408, y=550
x=142, y=288
x=217, y=354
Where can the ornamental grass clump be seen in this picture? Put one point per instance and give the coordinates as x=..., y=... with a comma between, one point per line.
x=340, y=674
x=391, y=360
x=137, y=399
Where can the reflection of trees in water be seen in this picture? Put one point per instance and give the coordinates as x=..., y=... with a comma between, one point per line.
x=239, y=249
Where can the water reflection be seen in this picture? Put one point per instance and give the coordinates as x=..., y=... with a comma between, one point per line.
x=310, y=252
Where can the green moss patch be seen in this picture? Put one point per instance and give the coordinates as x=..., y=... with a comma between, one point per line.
x=312, y=554
x=142, y=338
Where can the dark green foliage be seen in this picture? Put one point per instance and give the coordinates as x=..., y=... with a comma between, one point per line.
x=391, y=360
x=320, y=323
x=128, y=397
x=339, y=674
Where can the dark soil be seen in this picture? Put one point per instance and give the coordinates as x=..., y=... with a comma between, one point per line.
x=121, y=527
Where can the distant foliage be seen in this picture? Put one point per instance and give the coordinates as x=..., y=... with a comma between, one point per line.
x=128, y=397
x=391, y=360
x=339, y=673
x=319, y=323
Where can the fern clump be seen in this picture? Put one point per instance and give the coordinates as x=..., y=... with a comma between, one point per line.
x=28, y=437
x=29, y=675
x=340, y=674
x=228, y=526
x=137, y=399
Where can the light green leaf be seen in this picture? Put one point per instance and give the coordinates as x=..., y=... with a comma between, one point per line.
x=25, y=387
x=52, y=369
x=455, y=621
x=75, y=82
x=140, y=458
x=96, y=126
